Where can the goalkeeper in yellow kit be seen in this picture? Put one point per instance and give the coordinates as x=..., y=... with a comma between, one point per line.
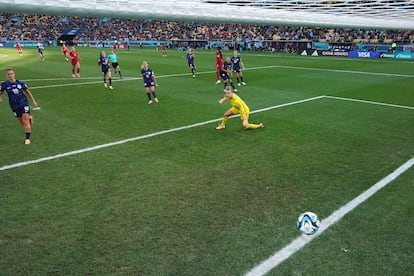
x=238, y=107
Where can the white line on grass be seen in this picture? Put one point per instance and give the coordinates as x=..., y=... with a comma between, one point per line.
x=64, y=84
x=25, y=163
x=301, y=241
x=370, y=102
x=287, y=104
x=60, y=79
x=210, y=72
x=124, y=79
x=332, y=70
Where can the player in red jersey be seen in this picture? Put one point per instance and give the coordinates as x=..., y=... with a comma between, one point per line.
x=75, y=62
x=65, y=51
x=164, y=50
x=219, y=64
x=115, y=47
x=19, y=48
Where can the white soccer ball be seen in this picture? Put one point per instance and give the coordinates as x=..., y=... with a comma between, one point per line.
x=308, y=223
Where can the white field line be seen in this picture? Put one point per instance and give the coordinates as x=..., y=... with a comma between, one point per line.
x=333, y=70
x=100, y=78
x=370, y=102
x=287, y=104
x=25, y=163
x=64, y=84
x=210, y=72
x=100, y=81
x=60, y=79
x=301, y=241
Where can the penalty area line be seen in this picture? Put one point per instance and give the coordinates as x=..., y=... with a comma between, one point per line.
x=75, y=152
x=297, y=244
x=100, y=81
x=369, y=102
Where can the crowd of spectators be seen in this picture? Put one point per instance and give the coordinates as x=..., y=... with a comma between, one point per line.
x=49, y=28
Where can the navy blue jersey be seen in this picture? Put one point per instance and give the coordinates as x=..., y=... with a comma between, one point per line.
x=104, y=62
x=147, y=76
x=227, y=65
x=224, y=75
x=17, y=99
x=236, y=63
x=190, y=59
x=40, y=49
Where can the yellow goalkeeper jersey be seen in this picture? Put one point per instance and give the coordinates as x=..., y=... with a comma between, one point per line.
x=239, y=105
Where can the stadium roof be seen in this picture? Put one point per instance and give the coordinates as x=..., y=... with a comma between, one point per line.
x=373, y=14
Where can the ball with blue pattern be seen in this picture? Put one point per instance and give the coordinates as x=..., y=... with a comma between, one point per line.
x=308, y=223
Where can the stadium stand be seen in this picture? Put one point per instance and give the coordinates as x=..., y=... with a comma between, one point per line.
x=49, y=28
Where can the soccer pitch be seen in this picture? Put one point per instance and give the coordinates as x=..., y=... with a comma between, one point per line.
x=112, y=185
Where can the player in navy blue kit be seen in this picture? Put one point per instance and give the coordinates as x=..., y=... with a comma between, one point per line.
x=228, y=66
x=150, y=82
x=40, y=51
x=237, y=66
x=18, y=101
x=106, y=69
x=190, y=60
x=226, y=79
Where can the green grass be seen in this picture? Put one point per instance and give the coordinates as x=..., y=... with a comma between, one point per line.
x=199, y=201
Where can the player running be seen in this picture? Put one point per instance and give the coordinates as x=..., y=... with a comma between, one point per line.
x=115, y=47
x=40, y=51
x=114, y=61
x=219, y=64
x=238, y=107
x=19, y=49
x=150, y=82
x=237, y=66
x=18, y=101
x=65, y=51
x=190, y=60
x=74, y=56
x=103, y=60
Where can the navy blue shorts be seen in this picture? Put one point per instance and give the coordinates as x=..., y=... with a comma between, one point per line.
x=149, y=84
x=18, y=112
